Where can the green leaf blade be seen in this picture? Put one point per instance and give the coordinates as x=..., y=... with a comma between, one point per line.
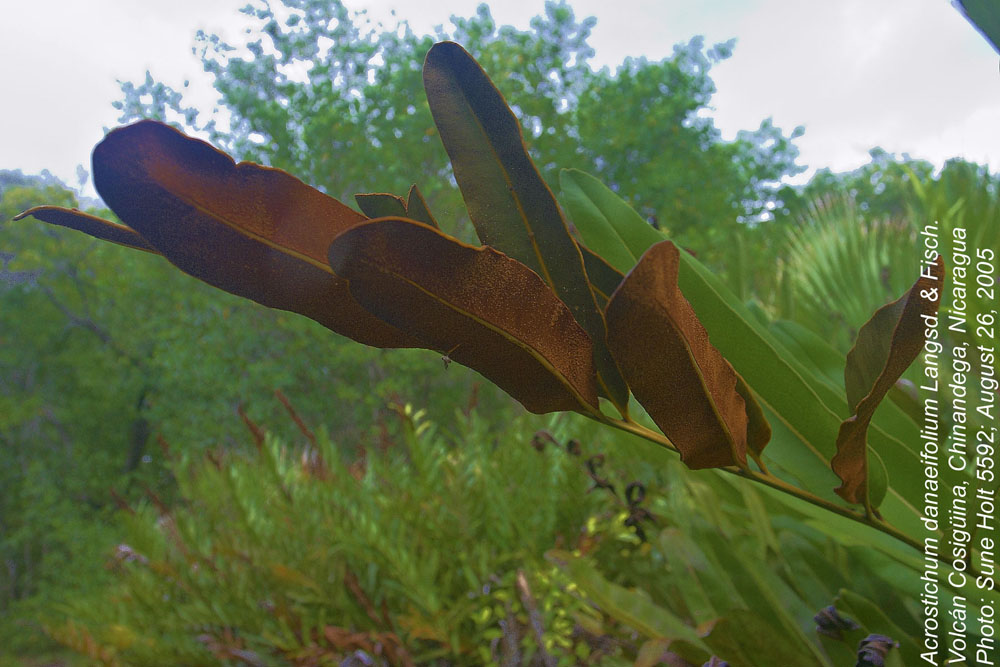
x=416, y=208
x=381, y=205
x=630, y=607
x=608, y=225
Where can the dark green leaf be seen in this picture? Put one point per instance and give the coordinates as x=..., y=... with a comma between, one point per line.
x=631, y=607
x=873, y=619
x=416, y=208
x=746, y=638
x=985, y=15
x=604, y=278
x=510, y=205
x=381, y=205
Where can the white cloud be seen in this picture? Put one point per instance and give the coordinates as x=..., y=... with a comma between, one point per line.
x=901, y=74
x=908, y=75
x=62, y=61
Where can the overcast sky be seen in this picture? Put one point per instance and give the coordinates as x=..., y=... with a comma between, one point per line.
x=907, y=75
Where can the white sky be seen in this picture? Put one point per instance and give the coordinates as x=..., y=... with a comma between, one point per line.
x=907, y=75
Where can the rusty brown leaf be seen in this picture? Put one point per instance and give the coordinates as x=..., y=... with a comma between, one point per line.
x=484, y=309
x=99, y=228
x=685, y=384
x=886, y=346
x=254, y=231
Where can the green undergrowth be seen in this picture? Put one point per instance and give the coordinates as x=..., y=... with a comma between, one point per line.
x=472, y=544
x=304, y=555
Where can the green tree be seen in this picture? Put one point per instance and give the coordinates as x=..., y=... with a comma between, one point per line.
x=103, y=349
x=338, y=101
x=51, y=513
x=882, y=188
x=640, y=132
x=860, y=228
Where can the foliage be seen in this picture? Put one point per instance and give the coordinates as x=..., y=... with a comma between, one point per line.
x=890, y=187
x=881, y=188
x=435, y=547
x=416, y=546
x=46, y=516
x=853, y=248
x=400, y=281
x=396, y=282
x=650, y=110
x=165, y=356
x=168, y=357
x=840, y=263
x=748, y=578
